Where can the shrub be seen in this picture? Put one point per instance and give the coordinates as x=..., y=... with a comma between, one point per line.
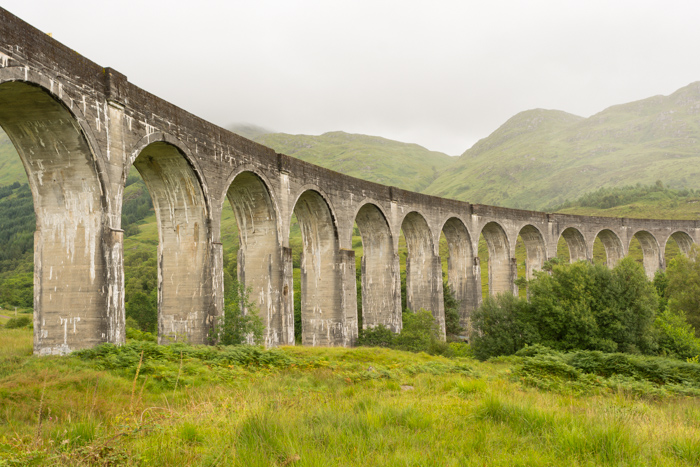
x=675, y=337
x=500, y=326
x=453, y=330
x=683, y=289
x=419, y=331
x=241, y=322
x=377, y=336
x=575, y=306
x=19, y=322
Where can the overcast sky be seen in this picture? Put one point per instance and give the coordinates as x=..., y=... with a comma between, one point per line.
x=442, y=74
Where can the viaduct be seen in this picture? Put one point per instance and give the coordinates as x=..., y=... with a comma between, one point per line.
x=79, y=127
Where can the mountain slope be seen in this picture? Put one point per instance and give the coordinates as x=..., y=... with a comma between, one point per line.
x=540, y=158
x=380, y=160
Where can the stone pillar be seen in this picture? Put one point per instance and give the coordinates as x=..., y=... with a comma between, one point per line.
x=286, y=330
x=348, y=289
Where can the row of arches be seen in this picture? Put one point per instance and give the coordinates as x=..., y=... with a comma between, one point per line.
x=75, y=242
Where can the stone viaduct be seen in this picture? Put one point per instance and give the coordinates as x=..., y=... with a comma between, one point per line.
x=79, y=127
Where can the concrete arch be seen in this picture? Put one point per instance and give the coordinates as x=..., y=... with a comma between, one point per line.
x=423, y=268
x=71, y=250
x=310, y=187
x=653, y=259
x=462, y=275
x=614, y=249
x=683, y=239
x=186, y=302
x=535, y=248
x=323, y=322
x=381, y=281
x=182, y=148
x=502, y=268
x=55, y=89
x=576, y=243
x=260, y=259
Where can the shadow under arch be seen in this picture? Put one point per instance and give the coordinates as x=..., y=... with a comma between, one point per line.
x=502, y=268
x=535, y=249
x=652, y=258
x=576, y=244
x=77, y=293
x=322, y=312
x=260, y=255
x=186, y=302
x=381, y=282
x=462, y=275
x=683, y=240
x=614, y=250
x=423, y=269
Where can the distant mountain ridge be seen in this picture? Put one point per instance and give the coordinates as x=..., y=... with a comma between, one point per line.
x=540, y=158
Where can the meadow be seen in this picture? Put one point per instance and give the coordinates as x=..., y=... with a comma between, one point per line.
x=144, y=404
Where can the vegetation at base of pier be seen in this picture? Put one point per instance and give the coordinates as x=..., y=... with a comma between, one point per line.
x=151, y=405
x=583, y=306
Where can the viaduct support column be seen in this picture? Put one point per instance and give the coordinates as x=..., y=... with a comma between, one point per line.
x=348, y=288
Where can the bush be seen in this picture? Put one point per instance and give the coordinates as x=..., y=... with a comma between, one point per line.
x=377, y=336
x=19, y=322
x=576, y=306
x=683, y=286
x=500, y=326
x=241, y=322
x=420, y=333
x=675, y=337
x=453, y=330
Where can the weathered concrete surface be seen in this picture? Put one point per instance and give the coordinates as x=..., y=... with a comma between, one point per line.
x=79, y=127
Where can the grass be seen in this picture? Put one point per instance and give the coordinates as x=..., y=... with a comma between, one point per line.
x=318, y=406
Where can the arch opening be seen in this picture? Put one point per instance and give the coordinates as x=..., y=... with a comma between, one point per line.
x=678, y=243
x=71, y=283
x=255, y=258
x=612, y=245
x=647, y=250
x=185, y=301
x=574, y=247
x=462, y=276
x=423, y=269
x=501, y=268
x=379, y=298
x=535, y=252
x=321, y=318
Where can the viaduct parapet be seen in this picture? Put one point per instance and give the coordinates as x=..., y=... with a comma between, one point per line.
x=79, y=127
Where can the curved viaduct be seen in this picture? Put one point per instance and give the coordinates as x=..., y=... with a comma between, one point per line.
x=79, y=127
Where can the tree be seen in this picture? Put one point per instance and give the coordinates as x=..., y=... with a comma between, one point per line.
x=683, y=274
x=577, y=306
x=500, y=326
x=452, y=327
x=241, y=322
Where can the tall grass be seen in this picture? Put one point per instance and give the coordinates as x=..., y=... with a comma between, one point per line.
x=320, y=407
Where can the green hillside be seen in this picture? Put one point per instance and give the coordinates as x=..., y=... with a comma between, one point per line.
x=380, y=160
x=11, y=169
x=541, y=158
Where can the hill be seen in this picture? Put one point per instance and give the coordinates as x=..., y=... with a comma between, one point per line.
x=380, y=160
x=541, y=158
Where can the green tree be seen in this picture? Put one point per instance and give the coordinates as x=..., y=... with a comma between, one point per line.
x=452, y=326
x=501, y=326
x=577, y=306
x=683, y=273
x=241, y=323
